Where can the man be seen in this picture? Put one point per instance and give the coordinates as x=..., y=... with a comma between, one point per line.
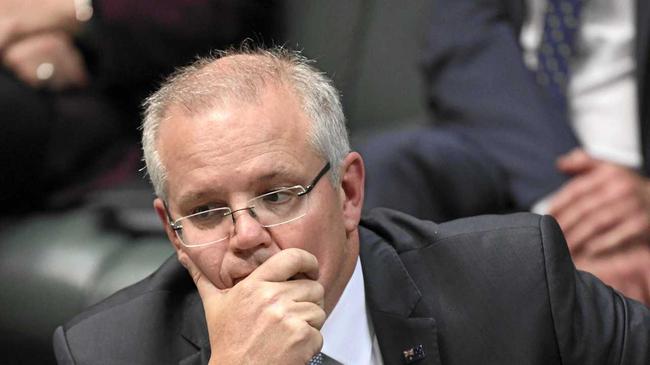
x=578, y=150
x=261, y=199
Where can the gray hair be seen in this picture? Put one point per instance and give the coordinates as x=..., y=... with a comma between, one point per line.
x=202, y=86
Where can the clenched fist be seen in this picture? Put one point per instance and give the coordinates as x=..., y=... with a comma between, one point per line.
x=273, y=316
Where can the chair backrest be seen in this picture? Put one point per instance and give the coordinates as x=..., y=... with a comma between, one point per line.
x=371, y=49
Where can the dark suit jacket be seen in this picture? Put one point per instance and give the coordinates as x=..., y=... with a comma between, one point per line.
x=479, y=86
x=488, y=290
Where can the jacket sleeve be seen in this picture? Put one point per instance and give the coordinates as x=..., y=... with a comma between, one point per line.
x=478, y=85
x=594, y=324
x=61, y=350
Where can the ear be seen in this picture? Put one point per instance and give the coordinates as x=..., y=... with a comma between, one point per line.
x=352, y=183
x=159, y=206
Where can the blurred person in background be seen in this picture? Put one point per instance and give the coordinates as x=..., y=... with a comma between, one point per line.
x=73, y=75
x=538, y=105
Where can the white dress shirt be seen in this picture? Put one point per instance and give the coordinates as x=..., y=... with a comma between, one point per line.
x=602, y=90
x=348, y=335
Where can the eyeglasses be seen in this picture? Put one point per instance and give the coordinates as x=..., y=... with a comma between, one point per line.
x=270, y=209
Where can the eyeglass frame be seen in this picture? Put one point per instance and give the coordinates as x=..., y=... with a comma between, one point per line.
x=178, y=227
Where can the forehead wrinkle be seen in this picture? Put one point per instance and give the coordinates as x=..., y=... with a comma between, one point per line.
x=215, y=160
x=213, y=151
x=277, y=171
x=254, y=150
x=192, y=196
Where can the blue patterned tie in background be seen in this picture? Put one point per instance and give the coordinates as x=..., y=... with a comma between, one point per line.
x=561, y=22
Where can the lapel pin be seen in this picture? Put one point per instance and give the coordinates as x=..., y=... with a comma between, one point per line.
x=413, y=354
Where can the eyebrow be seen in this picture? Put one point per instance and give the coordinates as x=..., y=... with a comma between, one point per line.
x=281, y=171
x=278, y=172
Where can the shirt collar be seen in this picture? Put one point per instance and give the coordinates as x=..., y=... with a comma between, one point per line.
x=347, y=332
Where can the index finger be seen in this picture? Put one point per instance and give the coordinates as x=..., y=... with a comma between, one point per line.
x=287, y=264
x=576, y=161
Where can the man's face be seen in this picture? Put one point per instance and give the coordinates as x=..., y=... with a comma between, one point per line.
x=229, y=156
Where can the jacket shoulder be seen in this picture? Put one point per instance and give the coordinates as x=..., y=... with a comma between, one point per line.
x=141, y=323
x=511, y=278
x=405, y=232
x=169, y=277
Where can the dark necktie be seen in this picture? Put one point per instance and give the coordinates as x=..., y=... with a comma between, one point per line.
x=322, y=359
x=561, y=22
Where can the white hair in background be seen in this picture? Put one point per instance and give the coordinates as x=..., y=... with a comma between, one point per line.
x=203, y=86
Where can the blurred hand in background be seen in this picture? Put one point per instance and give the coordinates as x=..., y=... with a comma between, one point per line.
x=604, y=212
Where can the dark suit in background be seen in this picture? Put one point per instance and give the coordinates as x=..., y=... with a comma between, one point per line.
x=496, y=136
x=490, y=290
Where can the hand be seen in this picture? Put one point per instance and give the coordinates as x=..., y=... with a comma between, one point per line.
x=603, y=207
x=267, y=318
x=627, y=270
x=21, y=18
x=25, y=57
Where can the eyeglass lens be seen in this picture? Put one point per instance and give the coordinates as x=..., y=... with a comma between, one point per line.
x=270, y=209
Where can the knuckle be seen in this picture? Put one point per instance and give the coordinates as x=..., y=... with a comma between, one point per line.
x=267, y=295
x=301, y=330
x=319, y=289
x=627, y=187
x=321, y=317
x=293, y=255
x=275, y=313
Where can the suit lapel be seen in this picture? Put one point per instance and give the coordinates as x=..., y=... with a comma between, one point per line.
x=401, y=321
x=194, y=330
x=405, y=330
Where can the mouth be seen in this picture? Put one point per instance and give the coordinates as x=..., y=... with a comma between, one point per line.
x=236, y=281
x=239, y=275
x=238, y=270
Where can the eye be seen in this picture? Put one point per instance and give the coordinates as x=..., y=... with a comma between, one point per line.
x=278, y=197
x=206, y=212
x=201, y=210
x=206, y=216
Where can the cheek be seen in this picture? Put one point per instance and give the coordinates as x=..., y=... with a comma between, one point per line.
x=209, y=260
x=327, y=241
x=312, y=235
x=331, y=256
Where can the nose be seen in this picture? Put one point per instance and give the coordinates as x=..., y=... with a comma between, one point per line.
x=248, y=233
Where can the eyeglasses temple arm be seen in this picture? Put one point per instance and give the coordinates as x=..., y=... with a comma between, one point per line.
x=322, y=172
x=174, y=226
